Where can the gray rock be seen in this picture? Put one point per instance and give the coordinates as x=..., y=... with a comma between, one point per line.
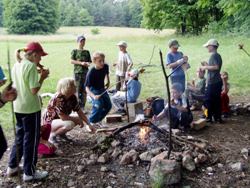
x=129, y=157
x=237, y=167
x=210, y=169
x=115, y=143
x=156, y=151
x=245, y=152
x=162, y=155
x=188, y=162
x=91, y=162
x=116, y=153
x=146, y=156
x=220, y=165
x=93, y=157
x=70, y=183
x=80, y=168
x=168, y=170
x=103, y=158
x=104, y=169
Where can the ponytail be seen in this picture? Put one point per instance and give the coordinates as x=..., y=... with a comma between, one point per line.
x=18, y=55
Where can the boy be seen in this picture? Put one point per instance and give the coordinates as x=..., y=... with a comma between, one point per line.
x=196, y=90
x=224, y=95
x=96, y=89
x=174, y=59
x=180, y=112
x=123, y=65
x=133, y=92
x=214, y=82
x=81, y=60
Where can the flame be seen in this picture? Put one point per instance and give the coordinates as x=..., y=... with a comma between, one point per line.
x=143, y=134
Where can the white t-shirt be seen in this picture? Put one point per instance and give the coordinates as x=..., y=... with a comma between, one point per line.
x=124, y=60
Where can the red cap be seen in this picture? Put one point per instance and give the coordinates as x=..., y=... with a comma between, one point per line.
x=35, y=46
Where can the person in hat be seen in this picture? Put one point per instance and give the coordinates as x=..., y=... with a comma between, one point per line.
x=81, y=60
x=27, y=108
x=133, y=92
x=174, y=61
x=123, y=65
x=8, y=94
x=181, y=115
x=214, y=81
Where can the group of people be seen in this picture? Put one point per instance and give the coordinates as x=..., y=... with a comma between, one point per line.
x=37, y=134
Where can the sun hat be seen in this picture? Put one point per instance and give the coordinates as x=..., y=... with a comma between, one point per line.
x=173, y=43
x=211, y=42
x=133, y=73
x=122, y=43
x=35, y=46
x=80, y=38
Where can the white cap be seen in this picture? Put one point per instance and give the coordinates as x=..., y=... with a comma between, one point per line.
x=211, y=42
x=133, y=73
x=122, y=43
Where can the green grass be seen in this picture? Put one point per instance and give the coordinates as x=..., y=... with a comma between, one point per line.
x=141, y=43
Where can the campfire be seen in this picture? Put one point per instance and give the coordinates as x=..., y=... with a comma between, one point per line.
x=144, y=134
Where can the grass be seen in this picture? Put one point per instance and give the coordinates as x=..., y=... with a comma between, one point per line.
x=141, y=43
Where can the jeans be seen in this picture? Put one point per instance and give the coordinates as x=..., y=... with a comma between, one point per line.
x=179, y=79
x=213, y=100
x=81, y=91
x=101, y=107
x=3, y=143
x=27, y=140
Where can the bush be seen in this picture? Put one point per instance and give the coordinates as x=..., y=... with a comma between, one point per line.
x=95, y=31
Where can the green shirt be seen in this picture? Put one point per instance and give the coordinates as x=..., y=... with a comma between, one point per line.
x=201, y=85
x=80, y=55
x=25, y=77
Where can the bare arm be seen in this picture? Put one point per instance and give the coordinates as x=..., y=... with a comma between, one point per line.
x=210, y=67
x=44, y=75
x=83, y=116
x=82, y=63
x=92, y=95
x=107, y=81
x=225, y=86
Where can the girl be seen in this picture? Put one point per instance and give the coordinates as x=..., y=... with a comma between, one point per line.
x=57, y=117
x=224, y=95
x=214, y=82
x=174, y=60
x=27, y=109
x=96, y=89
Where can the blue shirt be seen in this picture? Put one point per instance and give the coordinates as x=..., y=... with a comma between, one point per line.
x=134, y=90
x=172, y=58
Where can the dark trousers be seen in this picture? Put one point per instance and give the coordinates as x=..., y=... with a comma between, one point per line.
x=80, y=88
x=101, y=107
x=27, y=140
x=119, y=82
x=225, y=103
x=213, y=101
x=3, y=143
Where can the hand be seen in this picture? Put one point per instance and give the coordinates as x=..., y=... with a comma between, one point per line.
x=180, y=61
x=154, y=118
x=185, y=59
x=91, y=129
x=9, y=94
x=85, y=64
x=204, y=63
x=2, y=82
x=97, y=97
x=44, y=74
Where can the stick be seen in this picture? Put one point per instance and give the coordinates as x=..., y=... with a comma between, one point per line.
x=169, y=104
x=241, y=47
x=126, y=100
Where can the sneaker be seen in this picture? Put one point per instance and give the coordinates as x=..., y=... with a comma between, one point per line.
x=39, y=175
x=12, y=172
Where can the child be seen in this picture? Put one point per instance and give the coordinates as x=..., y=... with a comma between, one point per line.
x=224, y=95
x=57, y=117
x=180, y=112
x=8, y=94
x=174, y=59
x=133, y=92
x=81, y=59
x=27, y=108
x=214, y=82
x=123, y=65
x=96, y=89
x=196, y=90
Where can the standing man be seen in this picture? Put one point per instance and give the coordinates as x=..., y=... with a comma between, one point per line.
x=81, y=60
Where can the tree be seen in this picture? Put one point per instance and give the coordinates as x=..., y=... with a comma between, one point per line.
x=31, y=17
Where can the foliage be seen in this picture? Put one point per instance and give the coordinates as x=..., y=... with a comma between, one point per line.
x=31, y=17
x=95, y=31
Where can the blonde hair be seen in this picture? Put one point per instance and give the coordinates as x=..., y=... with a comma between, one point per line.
x=64, y=85
x=97, y=55
x=27, y=54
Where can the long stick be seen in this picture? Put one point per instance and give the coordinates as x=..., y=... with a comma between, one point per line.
x=169, y=105
x=13, y=117
x=126, y=100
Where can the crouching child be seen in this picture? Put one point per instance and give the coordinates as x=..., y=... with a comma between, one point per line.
x=97, y=89
x=133, y=92
x=181, y=116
